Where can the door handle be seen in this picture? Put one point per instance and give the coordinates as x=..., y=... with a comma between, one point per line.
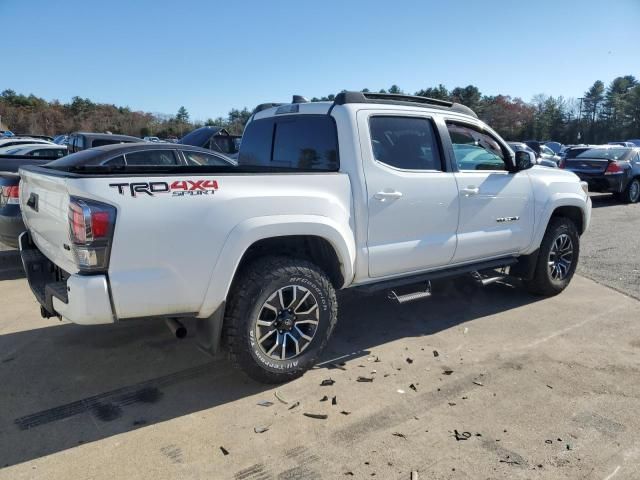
x=469, y=191
x=383, y=196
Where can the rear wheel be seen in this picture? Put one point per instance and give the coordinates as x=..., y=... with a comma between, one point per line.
x=557, y=258
x=280, y=315
x=631, y=194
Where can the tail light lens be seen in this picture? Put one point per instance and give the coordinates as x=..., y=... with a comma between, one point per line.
x=11, y=195
x=91, y=227
x=561, y=164
x=613, y=168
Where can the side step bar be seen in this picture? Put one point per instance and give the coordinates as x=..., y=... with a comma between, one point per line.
x=484, y=281
x=436, y=274
x=410, y=297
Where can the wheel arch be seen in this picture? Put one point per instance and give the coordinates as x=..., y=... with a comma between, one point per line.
x=573, y=213
x=318, y=239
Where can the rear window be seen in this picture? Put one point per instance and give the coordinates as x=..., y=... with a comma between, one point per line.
x=301, y=142
x=604, y=153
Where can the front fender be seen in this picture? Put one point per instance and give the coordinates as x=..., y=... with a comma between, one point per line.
x=555, y=201
x=249, y=231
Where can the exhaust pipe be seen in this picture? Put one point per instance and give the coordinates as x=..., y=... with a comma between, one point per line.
x=176, y=327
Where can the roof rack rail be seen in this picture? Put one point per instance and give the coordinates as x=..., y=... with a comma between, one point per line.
x=396, y=99
x=264, y=106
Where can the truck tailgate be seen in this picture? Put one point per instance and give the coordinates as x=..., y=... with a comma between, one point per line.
x=44, y=201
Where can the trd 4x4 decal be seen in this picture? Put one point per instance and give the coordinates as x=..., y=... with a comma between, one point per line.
x=178, y=188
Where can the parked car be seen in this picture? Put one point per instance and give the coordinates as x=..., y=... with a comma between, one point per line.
x=151, y=139
x=609, y=169
x=622, y=144
x=83, y=140
x=635, y=141
x=39, y=137
x=6, y=133
x=36, y=150
x=521, y=146
x=113, y=156
x=378, y=192
x=542, y=151
x=11, y=225
x=212, y=138
x=13, y=141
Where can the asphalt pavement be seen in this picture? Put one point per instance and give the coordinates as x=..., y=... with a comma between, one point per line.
x=471, y=383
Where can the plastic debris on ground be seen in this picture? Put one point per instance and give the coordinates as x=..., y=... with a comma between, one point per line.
x=265, y=403
x=327, y=382
x=260, y=429
x=317, y=416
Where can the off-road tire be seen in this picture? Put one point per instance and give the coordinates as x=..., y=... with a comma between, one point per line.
x=252, y=287
x=542, y=282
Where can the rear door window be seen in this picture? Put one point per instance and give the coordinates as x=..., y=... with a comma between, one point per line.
x=201, y=158
x=408, y=143
x=152, y=158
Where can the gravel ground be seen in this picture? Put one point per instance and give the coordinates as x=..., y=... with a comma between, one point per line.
x=611, y=247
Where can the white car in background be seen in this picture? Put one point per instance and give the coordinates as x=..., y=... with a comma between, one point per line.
x=16, y=141
x=36, y=150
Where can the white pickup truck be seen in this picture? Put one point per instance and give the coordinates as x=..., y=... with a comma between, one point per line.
x=374, y=191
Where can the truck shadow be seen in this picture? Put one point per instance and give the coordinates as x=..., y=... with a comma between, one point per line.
x=10, y=265
x=67, y=385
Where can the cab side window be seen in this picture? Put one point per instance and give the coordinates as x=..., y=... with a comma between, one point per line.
x=474, y=149
x=407, y=143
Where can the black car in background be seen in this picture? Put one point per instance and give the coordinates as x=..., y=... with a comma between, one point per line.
x=607, y=169
x=213, y=138
x=78, y=141
x=143, y=154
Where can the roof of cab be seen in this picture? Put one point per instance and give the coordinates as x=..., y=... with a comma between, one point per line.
x=301, y=105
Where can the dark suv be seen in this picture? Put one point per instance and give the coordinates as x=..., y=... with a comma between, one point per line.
x=82, y=140
x=607, y=169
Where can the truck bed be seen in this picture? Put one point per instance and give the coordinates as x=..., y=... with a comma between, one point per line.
x=180, y=231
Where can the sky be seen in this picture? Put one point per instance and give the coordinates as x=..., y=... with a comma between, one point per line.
x=212, y=56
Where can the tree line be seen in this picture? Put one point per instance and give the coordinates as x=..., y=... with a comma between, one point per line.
x=603, y=113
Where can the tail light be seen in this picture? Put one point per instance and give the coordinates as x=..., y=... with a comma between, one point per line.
x=91, y=227
x=11, y=195
x=613, y=168
x=561, y=164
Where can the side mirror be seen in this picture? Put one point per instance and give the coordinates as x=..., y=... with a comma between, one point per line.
x=523, y=160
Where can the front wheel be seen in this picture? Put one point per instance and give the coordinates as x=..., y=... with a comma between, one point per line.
x=557, y=258
x=280, y=315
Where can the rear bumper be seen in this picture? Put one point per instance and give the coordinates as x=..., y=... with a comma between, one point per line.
x=81, y=299
x=10, y=229
x=603, y=183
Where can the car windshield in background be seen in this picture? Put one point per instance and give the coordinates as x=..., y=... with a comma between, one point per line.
x=604, y=153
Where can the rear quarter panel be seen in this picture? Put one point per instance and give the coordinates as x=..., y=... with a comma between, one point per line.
x=175, y=254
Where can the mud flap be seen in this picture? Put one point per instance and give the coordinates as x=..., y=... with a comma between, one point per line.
x=526, y=266
x=209, y=331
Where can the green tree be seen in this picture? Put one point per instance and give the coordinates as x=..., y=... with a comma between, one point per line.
x=439, y=92
x=182, y=116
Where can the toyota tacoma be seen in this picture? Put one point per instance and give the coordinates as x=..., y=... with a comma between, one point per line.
x=377, y=192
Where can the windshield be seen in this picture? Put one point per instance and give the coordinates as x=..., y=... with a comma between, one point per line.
x=605, y=153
